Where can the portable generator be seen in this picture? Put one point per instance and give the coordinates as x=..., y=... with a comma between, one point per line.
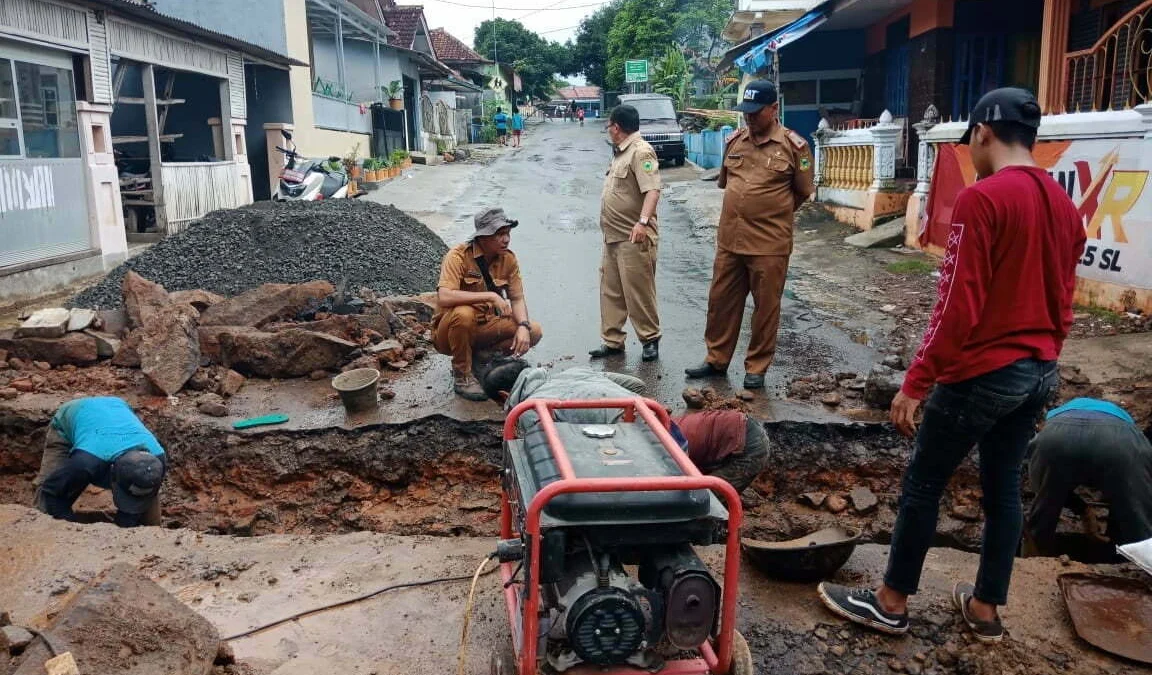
x=598, y=524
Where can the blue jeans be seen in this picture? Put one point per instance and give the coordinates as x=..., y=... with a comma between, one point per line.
x=997, y=411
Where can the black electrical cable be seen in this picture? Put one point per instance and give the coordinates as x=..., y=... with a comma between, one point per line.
x=512, y=579
x=352, y=601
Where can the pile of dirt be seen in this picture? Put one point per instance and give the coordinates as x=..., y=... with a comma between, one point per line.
x=708, y=398
x=234, y=250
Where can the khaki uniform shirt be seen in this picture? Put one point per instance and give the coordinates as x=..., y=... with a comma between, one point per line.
x=764, y=180
x=460, y=271
x=635, y=170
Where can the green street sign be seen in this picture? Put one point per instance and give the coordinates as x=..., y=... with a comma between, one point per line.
x=635, y=71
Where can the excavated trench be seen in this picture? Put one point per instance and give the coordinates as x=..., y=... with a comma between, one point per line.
x=439, y=476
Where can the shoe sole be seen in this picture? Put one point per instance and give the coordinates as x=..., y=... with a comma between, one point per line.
x=855, y=618
x=958, y=602
x=691, y=376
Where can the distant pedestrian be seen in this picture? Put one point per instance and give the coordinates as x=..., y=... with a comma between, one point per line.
x=628, y=220
x=100, y=441
x=517, y=126
x=481, y=302
x=500, y=119
x=1096, y=444
x=766, y=176
x=1003, y=311
x=580, y=115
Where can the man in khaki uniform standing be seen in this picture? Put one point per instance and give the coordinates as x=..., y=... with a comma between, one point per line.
x=766, y=175
x=628, y=219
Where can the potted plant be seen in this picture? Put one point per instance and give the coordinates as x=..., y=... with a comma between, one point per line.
x=371, y=169
x=352, y=162
x=395, y=93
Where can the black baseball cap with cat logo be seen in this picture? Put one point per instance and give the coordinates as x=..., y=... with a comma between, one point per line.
x=1009, y=104
x=757, y=94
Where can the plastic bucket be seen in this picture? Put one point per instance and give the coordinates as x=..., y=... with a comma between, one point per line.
x=357, y=388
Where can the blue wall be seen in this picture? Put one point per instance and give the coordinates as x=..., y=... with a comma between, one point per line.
x=706, y=149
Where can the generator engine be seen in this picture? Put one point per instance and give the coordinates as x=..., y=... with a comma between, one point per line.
x=620, y=582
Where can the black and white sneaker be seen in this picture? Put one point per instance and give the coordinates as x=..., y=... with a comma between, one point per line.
x=861, y=606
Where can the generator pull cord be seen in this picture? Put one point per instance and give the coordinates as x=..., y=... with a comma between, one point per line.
x=462, y=653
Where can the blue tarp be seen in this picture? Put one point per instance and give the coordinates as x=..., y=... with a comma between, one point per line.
x=756, y=55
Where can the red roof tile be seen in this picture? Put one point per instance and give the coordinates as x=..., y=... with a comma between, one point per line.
x=404, y=20
x=571, y=93
x=450, y=49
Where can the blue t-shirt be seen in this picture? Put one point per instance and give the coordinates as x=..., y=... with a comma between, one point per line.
x=501, y=121
x=517, y=122
x=1093, y=405
x=103, y=426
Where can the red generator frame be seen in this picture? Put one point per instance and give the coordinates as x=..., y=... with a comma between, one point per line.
x=716, y=654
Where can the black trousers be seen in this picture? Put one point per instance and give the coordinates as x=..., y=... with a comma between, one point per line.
x=1099, y=451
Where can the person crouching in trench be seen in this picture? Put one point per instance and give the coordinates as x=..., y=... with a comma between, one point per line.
x=100, y=441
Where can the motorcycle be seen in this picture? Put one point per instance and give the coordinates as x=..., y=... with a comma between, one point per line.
x=306, y=180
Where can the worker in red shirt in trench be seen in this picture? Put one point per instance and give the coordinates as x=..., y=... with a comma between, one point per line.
x=1003, y=310
x=724, y=443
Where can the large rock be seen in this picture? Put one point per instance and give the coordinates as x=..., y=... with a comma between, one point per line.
x=170, y=347
x=142, y=298
x=123, y=623
x=80, y=318
x=265, y=304
x=75, y=348
x=106, y=344
x=128, y=351
x=45, y=323
x=287, y=353
x=882, y=385
x=886, y=234
x=200, y=299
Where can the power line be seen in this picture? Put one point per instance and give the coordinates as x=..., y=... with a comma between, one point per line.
x=556, y=30
x=550, y=8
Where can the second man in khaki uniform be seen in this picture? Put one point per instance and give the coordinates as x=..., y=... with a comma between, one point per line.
x=766, y=176
x=628, y=219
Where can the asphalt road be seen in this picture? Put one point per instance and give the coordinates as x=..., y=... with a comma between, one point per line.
x=552, y=186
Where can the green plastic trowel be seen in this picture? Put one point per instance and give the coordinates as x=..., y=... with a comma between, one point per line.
x=260, y=421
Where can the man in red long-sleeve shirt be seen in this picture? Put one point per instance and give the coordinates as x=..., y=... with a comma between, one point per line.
x=1003, y=311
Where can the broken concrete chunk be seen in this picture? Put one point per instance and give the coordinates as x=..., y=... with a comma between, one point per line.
x=123, y=608
x=886, y=234
x=710, y=175
x=75, y=348
x=288, y=353
x=170, y=347
x=112, y=321
x=265, y=304
x=387, y=350
x=835, y=503
x=230, y=383
x=17, y=637
x=106, y=343
x=882, y=386
x=212, y=405
x=45, y=323
x=142, y=298
x=831, y=399
x=813, y=499
x=863, y=501
x=894, y=361
x=200, y=299
x=80, y=318
x=64, y=664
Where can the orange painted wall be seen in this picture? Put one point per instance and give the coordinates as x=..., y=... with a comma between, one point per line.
x=926, y=15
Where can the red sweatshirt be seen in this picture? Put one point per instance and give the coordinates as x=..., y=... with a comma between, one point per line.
x=1006, y=281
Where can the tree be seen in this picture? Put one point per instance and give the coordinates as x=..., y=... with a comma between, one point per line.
x=672, y=78
x=700, y=24
x=590, y=51
x=641, y=29
x=535, y=59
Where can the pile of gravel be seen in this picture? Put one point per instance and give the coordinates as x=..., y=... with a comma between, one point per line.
x=234, y=250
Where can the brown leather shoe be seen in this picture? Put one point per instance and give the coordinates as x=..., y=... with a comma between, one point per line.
x=467, y=387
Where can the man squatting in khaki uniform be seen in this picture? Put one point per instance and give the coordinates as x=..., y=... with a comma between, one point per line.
x=481, y=302
x=766, y=176
x=628, y=219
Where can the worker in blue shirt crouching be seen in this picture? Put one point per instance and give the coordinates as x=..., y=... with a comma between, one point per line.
x=1093, y=443
x=100, y=441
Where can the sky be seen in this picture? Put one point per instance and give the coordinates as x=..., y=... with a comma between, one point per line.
x=556, y=20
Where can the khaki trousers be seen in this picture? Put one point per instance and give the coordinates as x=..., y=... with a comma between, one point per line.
x=459, y=332
x=733, y=277
x=628, y=291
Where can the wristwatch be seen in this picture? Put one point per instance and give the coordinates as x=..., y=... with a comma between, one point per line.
x=643, y=221
x=526, y=324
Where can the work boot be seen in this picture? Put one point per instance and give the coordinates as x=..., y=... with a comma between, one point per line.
x=466, y=386
x=651, y=350
x=604, y=351
x=753, y=380
x=706, y=369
